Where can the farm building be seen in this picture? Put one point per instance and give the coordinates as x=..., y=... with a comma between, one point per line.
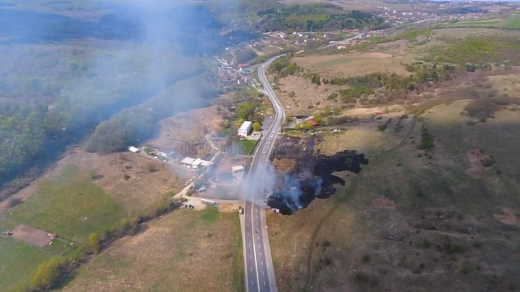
x=194, y=163
x=237, y=169
x=245, y=129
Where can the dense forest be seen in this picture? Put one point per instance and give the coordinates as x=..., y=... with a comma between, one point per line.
x=318, y=17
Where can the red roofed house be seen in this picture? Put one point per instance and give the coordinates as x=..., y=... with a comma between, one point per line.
x=313, y=123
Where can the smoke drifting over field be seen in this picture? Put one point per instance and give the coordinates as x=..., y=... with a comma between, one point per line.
x=303, y=175
x=64, y=78
x=297, y=190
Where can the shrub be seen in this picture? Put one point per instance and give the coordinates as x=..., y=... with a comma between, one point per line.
x=332, y=96
x=128, y=226
x=426, y=244
x=328, y=261
x=382, y=127
x=152, y=167
x=482, y=106
x=93, y=239
x=477, y=244
x=453, y=248
x=366, y=258
x=327, y=243
x=47, y=274
x=362, y=278
x=159, y=208
x=426, y=140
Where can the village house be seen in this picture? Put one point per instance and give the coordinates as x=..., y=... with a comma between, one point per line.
x=245, y=129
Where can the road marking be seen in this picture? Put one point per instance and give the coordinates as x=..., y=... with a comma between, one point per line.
x=254, y=251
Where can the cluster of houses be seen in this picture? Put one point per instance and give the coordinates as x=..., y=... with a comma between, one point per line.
x=229, y=74
x=360, y=38
x=163, y=156
x=431, y=10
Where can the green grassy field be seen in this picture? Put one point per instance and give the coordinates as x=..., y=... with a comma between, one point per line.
x=18, y=261
x=174, y=254
x=246, y=147
x=513, y=21
x=70, y=205
x=496, y=22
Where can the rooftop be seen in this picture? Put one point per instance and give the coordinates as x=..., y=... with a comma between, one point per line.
x=245, y=125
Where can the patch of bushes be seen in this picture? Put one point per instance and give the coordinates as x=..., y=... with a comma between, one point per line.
x=93, y=239
x=327, y=261
x=366, y=258
x=481, y=107
x=333, y=96
x=361, y=278
x=152, y=167
x=351, y=94
x=426, y=140
x=476, y=50
x=426, y=244
x=48, y=273
x=477, y=244
x=452, y=248
x=382, y=128
x=284, y=67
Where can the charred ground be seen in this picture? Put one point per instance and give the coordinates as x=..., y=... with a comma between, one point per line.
x=303, y=174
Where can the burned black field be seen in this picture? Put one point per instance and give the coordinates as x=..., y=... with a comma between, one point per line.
x=309, y=175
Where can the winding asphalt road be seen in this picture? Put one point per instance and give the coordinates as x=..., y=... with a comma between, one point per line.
x=257, y=253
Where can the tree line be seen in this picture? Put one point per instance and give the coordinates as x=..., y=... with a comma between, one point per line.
x=317, y=17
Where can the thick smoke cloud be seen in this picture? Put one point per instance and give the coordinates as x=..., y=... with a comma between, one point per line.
x=64, y=75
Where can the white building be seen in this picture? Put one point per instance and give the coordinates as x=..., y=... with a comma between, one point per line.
x=194, y=163
x=237, y=169
x=245, y=129
x=133, y=149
